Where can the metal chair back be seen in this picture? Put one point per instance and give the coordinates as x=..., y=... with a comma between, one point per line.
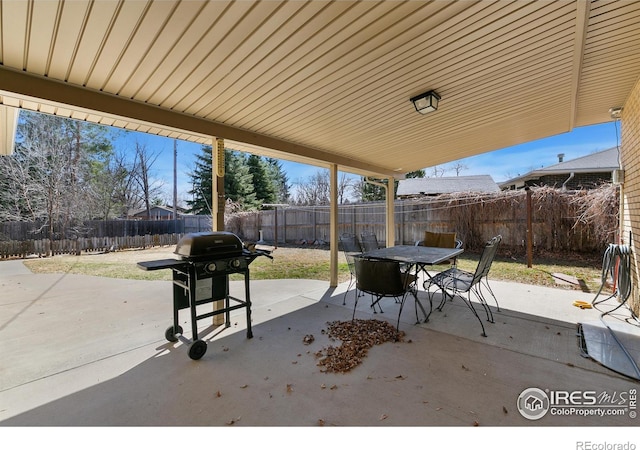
x=348, y=243
x=459, y=281
x=379, y=278
x=486, y=259
x=368, y=242
x=443, y=240
x=383, y=279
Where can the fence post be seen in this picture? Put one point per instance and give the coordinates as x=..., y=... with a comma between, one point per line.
x=353, y=219
x=275, y=227
x=315, y=236
x=284, y=226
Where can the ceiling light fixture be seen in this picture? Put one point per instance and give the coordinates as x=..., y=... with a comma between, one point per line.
x=615, y=112
x=427, y=102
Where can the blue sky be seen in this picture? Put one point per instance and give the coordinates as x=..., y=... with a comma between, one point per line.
x=500, y=164
x=517, y=160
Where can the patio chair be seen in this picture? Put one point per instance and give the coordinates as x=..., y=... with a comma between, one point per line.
x=442, y=240
x=454, y=282
x=351, y=248
x=368, y=242
x=383, y=279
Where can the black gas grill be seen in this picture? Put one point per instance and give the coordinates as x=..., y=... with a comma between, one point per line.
x=201, y=275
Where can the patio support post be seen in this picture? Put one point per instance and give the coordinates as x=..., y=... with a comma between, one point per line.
x=217, y=212
x=390, y=211
x=333, y=226
x=389, y=193
x=217, y=186
x=8, y=127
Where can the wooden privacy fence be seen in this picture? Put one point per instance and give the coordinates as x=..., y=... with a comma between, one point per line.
x=582, y=221
x=559, y=221
x=47, y=247
x=21, y=239
x=23, y=231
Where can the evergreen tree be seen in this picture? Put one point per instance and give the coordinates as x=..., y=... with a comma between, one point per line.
x=201, y=182
x=238, y=182
x=249, y=181
x=263, y=184
x=279, y=179
x=371, y=192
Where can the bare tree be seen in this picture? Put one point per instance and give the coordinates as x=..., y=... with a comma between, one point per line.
x=21, y=197
x=45, y=178
x=346, y=186
x=437, y=171
x=51, y=178
x=114, y=188
x=316, y=189
x=458, y=167
x=149, y=188
x=129, y=195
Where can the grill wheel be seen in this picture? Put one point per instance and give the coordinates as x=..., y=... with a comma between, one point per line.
x=197, y=349
x=170, y=334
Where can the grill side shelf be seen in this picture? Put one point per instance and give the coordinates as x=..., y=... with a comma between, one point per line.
x=160, y=264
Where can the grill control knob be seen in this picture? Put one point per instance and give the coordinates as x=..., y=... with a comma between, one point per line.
x=211, y=267
x=235, y=263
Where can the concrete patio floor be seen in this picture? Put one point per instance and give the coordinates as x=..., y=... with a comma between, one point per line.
x=89, y=351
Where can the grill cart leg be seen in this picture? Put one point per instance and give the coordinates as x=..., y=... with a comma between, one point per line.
x=198, y=347
x=192, y=303
x=170, y=333
x=248, y=304
x=180, y=301
x=227, y=305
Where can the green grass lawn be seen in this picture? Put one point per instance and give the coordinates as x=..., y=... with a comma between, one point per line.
x=314, y=264
x=588, y=273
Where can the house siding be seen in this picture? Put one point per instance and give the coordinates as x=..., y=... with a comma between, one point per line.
x=630, y=159
x=579, y=181
x=156, y=213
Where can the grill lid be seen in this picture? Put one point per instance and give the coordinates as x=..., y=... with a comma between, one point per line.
x=207, y=245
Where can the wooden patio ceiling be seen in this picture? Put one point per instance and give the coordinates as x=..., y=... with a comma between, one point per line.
x=325, y=81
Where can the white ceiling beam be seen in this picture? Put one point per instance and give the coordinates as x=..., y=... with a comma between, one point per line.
x=583, y=9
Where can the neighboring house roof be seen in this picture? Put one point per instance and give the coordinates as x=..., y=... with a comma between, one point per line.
x=168, y=209
x=411, y=187
x=604, y=161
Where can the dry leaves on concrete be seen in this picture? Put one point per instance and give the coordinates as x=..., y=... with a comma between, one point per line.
x=357, y=337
